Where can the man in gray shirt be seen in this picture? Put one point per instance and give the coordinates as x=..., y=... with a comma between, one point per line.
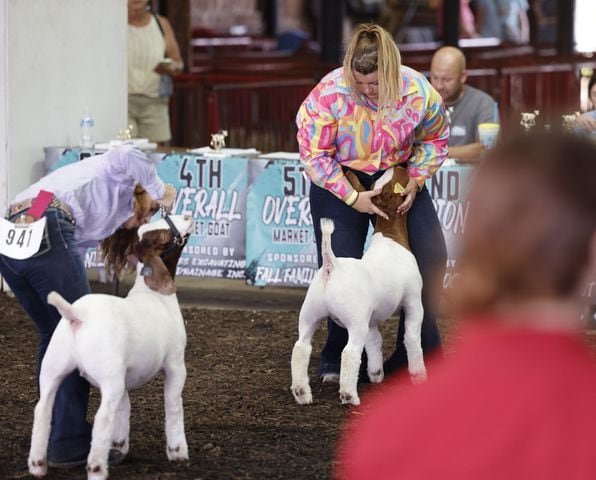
x=467, y=106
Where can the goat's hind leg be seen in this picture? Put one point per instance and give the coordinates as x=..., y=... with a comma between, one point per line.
x=308, y=322
x=55, y=367
x=414, y=314
x=175, y=376
x=374, y=353
x=112, y=391
x=120, y=437
x=351, y=357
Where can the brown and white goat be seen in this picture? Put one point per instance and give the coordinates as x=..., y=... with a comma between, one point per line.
x=359, y=294
x=119, y=344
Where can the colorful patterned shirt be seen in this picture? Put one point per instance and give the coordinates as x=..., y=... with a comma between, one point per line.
x=335, y=131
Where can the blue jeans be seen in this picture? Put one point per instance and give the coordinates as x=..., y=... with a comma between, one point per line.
x=57, y=266
x=428, y=246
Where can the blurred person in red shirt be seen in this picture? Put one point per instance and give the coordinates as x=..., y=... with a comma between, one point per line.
x=516, y=399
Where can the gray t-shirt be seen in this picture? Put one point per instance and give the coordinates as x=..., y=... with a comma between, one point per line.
x=473, y=108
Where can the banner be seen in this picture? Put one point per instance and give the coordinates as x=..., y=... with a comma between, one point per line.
x=280, y=245
x=253, y=217
x=448, y=189
x=212, y=191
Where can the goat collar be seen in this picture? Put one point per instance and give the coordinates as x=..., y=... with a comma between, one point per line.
x=178, y=239
x=177, y=242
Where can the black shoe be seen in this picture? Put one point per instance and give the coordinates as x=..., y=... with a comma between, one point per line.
x=114, y=458
x=67, y=464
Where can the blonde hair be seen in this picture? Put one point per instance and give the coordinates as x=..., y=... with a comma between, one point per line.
x=115, y=249
x=370, y=49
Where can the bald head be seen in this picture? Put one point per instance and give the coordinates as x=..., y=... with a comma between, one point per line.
x=450, y=57
x=448, y=73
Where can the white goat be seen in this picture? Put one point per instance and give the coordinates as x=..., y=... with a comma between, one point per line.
x=360, y=294
x=118, y=344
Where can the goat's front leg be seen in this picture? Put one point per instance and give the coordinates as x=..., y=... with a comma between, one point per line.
x=350, y=363
x=310, y=317
x=374, y=353
x=175, y=376
x=120, y=437
x=103, y=428
x=414, y=314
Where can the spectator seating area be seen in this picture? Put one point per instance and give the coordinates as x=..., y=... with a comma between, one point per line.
x=254, y=94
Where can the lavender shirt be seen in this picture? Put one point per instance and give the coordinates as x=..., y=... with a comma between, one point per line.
x=99, y=190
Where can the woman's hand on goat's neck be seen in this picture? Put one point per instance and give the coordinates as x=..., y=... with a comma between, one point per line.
x=410, y=193
x=364, y=203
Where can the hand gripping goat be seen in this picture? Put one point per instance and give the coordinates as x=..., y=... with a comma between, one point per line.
x=360, y=294
x=118, y=344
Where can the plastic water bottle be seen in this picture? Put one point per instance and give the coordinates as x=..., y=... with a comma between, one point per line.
x=87, y=124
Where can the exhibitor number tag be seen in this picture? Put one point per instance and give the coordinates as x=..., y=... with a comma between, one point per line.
x=20, y=241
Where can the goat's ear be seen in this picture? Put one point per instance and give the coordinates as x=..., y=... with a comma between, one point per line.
x=355, y=181
x=400, y=175
x=390, y=197
x=159, y=279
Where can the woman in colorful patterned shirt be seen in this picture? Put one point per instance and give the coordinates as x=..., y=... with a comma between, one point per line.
x=368, y=116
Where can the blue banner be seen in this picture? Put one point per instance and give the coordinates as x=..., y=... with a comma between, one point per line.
x=213, y=191
x=253, y=218
x=280, y=246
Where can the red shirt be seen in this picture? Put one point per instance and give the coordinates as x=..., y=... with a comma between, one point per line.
x=507, y=405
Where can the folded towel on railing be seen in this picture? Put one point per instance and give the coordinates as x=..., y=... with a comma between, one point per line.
x=225, y=152
x=142, y=143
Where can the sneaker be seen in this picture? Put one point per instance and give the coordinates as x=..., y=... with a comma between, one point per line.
x=330, y=377
x=114, y=458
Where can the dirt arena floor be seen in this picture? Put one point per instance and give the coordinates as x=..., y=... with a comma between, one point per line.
x=241, y=420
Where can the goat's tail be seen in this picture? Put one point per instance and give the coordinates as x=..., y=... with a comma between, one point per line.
x=65, y=308
x=327, y=227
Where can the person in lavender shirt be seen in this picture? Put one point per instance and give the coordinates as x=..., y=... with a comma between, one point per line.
x=99, y=197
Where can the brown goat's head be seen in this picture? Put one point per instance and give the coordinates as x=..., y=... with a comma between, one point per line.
x=159, y=249
x=392, y=186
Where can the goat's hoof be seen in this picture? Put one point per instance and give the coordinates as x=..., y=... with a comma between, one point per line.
x=178, y=453
x=349, y=398
x=418, y=377
x=96, y=472
x=376, y=377
x=302, y=395
x=122, y=446
x=38, y=468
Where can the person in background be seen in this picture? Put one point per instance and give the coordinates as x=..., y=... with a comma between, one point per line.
x=467, y=106
x=153, y=57
x=587, y=122
x=369, y=116
x=506, y=20
x=86, y=202
x=516, y=398
x=467, y=23
x=544, y=16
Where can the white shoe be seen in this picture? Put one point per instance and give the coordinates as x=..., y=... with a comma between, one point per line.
x=330, y=378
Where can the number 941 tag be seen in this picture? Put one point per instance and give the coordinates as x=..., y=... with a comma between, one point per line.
x=20, y=241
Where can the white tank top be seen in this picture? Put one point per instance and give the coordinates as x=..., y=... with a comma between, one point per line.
x=146, y=48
